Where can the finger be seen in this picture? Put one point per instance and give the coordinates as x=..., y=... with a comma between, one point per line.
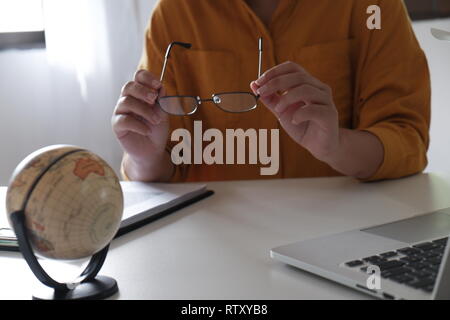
x=131, y=105
x=123, y=124
x=319, y=114
x=288, y=81
x=286, y=119
x=147, y=79
x=138, y=91
x=284, y=68
x=269, y=101
x=164, y=117
x=304, y=93
x=254, y=86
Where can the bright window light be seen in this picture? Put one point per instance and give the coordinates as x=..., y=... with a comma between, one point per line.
x=21, y=16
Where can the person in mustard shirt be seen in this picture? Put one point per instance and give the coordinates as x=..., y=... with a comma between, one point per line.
x=347, y=99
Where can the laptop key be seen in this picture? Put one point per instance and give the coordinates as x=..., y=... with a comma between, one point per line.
x=422, y=283
x=441, y=241
x=417, y=265
x=395, y=272
x=426, y=246
x=434, y=261
x=428, y=254
x=439, y=250
x=389, y=254
x=386, y=265
x=409, y=251
x=419, y=274
x=434, y=267
x=432, y=272
x=402, y=279
x=354, y=263
x=411, y=259
x=373, y=259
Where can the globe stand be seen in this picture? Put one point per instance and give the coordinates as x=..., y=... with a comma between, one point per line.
x=87, y=286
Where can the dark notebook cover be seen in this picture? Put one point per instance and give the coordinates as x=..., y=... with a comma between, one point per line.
x=142, y=222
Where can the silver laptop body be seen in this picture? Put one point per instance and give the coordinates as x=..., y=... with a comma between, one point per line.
x=407, y=259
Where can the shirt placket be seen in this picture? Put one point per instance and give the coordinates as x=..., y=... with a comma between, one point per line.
x=282, y=14
x=264, y=32
x=269, y=54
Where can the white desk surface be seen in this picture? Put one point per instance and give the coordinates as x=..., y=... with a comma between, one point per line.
x=219, y=248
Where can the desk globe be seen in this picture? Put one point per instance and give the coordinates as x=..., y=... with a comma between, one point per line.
x=65, y=203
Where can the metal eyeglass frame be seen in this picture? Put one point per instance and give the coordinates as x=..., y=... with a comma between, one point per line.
x=215, y=97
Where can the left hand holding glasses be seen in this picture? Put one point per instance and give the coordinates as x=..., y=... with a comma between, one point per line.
x=304, y=106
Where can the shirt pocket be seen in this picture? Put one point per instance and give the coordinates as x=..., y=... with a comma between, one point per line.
x=205, y=72
x=332, y=64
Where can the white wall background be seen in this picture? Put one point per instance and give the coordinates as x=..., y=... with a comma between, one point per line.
x=42, y=105
x=438, y=54
x=39, y=108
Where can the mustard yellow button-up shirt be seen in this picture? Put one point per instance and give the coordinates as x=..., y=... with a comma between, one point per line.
x=380, y=78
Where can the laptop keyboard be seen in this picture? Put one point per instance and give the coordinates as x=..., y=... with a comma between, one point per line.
x=416, y=266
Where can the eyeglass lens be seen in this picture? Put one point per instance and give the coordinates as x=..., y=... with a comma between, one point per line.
x=178, y=106
x=235, y=102
x=230, y=102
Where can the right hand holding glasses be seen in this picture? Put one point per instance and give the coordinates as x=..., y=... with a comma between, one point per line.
x=138, y=122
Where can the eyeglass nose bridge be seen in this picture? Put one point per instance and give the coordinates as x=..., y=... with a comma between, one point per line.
x=214, y=98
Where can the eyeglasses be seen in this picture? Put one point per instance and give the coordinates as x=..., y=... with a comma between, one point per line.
x=234, y=102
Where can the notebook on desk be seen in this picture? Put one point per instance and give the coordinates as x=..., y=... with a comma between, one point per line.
x=143, y=203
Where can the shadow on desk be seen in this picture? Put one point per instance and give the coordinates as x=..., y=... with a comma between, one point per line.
x=159, y=223
x=312, y=198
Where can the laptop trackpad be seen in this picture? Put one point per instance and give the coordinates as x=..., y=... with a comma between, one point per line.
x=418, y=229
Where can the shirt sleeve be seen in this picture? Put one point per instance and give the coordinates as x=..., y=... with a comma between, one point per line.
x=157, y=39
x=393, y=92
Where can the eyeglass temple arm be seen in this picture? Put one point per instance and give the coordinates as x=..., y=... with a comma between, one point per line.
x=166, y=59
x=260, y=42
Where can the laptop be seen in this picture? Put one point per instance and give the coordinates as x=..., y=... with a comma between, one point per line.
x=406, y=259
x=409, y=257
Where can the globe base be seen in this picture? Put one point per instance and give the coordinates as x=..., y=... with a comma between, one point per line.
x=100, y=288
